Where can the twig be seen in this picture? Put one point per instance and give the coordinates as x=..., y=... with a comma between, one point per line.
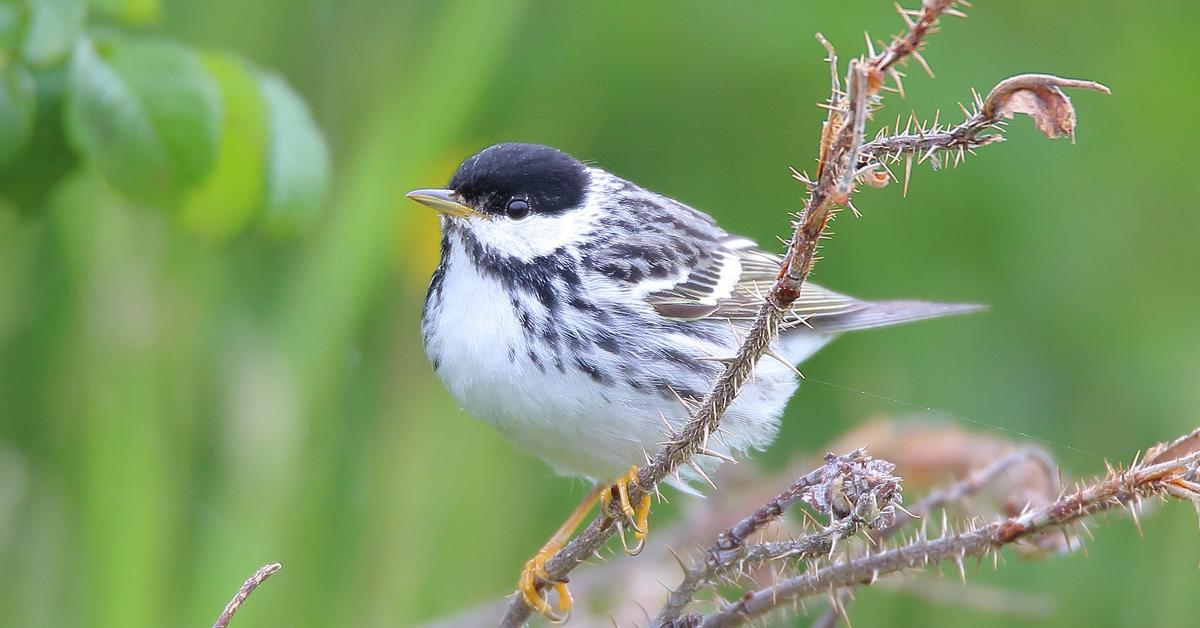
x=954, y=494
x=836, y=156
x=1178, y=478
x=730, y=553
x=973, y=483
x=1037, y=95
x=248, y=587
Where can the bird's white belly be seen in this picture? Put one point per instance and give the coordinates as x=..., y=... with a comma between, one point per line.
x=561, y=416
x=560, y=413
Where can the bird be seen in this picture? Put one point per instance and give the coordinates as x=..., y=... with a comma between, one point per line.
x=582, y=317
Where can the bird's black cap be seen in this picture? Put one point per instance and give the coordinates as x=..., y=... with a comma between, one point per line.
x=550, y=180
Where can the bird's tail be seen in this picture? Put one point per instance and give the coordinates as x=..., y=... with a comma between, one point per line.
x=887, y=313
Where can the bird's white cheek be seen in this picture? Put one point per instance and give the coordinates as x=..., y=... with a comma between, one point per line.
x=535, y=235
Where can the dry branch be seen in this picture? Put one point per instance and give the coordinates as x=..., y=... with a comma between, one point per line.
x=1039, y=96
x=731, y=554
x=1167, y=471
x=843, y=159
x=856, y=489
x=248, y=587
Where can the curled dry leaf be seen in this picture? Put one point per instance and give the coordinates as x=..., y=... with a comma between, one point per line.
x=847, y=479
x=1039, y=96
x=1181, y=447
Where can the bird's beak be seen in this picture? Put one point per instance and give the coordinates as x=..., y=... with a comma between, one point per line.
x=444, y=201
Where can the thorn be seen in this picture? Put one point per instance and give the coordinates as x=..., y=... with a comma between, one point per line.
x=678, y=559
x=695, y=467
x=670, y=428
x=908, y=163
x=1136, y=522
x=778, y=358
x=704, y=451
x=680, y=398
x=924, y=64
x=905, y=511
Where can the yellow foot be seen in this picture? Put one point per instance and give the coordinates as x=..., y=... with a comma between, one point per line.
x=534, y=576
x=638, y=519
x=535, y=571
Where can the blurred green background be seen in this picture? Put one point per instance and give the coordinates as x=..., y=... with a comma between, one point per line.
x=176, y=410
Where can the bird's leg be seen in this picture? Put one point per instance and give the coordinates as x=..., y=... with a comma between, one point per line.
x=637, y=518
x=535, y=568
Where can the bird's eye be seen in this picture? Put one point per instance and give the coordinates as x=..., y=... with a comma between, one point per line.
x=517, y=208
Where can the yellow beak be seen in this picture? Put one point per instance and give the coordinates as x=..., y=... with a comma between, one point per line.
x=444, y=201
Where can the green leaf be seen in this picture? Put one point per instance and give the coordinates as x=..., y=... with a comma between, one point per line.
x=297, y=159
x=133, y=12
x=226, y=202
x=53, y=30
x=147, y=114
x=18, y=105
x=12, y=22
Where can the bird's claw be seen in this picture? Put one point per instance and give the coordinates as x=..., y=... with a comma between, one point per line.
x=535, y=572
x=636, y=518
x=534, y=577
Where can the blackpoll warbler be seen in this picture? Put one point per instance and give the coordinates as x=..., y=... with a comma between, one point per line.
x=581, y=316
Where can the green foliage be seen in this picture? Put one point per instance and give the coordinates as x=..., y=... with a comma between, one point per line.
x=146, y=113
x=12, y=23
x=53, y=28
x=226, y=201
x=209, y=137
x=129, y=11
x=17, y=109
x=297, y=160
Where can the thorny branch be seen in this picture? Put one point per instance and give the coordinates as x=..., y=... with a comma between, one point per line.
x=856, y=489
x=968, y=486
x=956, y=493
x=843, y=160
x=1167, y=471
x=730, y=554
x=1037, y=95
x=248, y=587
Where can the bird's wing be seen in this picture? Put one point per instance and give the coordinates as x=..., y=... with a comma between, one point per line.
x=688, y=268
x=730, y=283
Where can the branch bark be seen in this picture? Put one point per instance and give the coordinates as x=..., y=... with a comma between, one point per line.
x=855, y=489
x=1177, y=477
x=248, y=587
